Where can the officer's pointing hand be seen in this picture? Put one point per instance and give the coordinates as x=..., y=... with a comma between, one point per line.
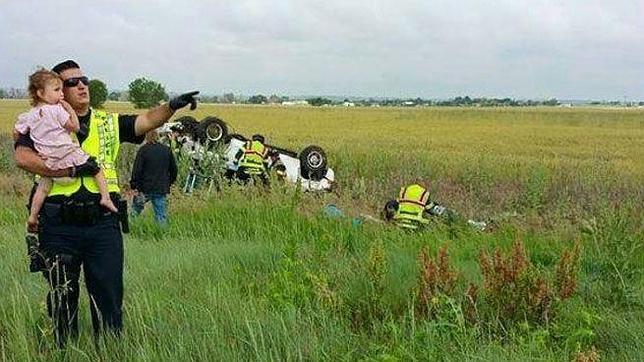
x=183, y=100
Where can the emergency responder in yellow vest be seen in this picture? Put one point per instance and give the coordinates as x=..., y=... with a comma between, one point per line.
x=411, y=208
x=75, y=231
x=253, y=160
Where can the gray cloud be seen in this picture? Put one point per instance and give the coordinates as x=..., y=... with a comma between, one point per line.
x=525, y=49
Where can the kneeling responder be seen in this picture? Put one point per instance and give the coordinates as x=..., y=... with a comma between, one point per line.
x=410, y=208
x=253, y=160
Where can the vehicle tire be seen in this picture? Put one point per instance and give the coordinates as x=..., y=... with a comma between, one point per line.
x=212, y=130
x=313, y=163
x=188, y=126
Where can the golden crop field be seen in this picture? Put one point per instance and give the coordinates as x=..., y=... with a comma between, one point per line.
x=374, y=150
x=528, y=135
x=244, y=274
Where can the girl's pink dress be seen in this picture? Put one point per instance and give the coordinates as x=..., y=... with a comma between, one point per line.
x=45, y=125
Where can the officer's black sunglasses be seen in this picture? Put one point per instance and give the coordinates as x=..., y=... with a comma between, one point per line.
x=73, y=82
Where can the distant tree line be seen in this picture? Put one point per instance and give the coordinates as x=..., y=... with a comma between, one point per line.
x=146, y=93
x=320, y=101
x=616, y=103
x=13, y=93
x=468, y=102
x=414, y=102
x=262, y=99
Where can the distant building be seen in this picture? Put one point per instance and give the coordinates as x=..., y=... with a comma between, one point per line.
x=295, y=103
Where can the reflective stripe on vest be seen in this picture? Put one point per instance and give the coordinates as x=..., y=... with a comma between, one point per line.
x=102, y=142
x=254, y=155
x=408, y=224
x=411, y=204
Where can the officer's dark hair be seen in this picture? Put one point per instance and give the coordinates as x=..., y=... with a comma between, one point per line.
x=258, y=137
x=390, y=209
x=67, y=64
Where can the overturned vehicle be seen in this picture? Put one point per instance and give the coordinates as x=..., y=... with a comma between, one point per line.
x=214, y=151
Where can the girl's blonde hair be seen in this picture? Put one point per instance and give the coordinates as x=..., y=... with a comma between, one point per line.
x=39, y=80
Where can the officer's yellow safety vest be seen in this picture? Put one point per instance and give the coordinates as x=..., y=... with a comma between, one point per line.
x=411, y=204
x=253, y=159
x=103, y=143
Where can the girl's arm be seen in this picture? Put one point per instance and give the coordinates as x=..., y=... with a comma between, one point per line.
x=72, y=124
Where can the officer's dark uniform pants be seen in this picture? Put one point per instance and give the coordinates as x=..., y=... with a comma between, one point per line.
x=98, y=247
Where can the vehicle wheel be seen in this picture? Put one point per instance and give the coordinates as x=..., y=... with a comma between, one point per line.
x=212, y=130
x=313, y=163
x=188, y=126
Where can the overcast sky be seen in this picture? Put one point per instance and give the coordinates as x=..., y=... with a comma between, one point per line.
x=575, y=49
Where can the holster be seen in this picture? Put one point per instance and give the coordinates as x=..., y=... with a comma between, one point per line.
x=123, y=216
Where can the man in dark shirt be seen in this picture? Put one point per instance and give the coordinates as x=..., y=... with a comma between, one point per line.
x=73, y=230
x=154, y=170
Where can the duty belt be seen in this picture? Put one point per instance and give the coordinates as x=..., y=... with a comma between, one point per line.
x=77, y=212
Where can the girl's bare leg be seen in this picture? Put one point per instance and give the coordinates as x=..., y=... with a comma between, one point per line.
x=105, y=194
x=44, y=185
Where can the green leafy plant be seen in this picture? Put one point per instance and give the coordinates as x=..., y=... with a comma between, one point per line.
x=146, y=93
x=97, y=93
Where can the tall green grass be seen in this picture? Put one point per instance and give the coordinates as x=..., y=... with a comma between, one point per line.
x=235, y=277
x=242, y=274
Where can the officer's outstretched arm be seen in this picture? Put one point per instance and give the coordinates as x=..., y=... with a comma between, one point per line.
x=152, y=119
x=157, y=116
x=28, y=160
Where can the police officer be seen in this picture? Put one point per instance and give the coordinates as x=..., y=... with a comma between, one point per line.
x=253, y=160
x=74, y=230
x=411, y=208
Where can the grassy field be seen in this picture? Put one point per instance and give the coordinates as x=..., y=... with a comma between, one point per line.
x=243, y=274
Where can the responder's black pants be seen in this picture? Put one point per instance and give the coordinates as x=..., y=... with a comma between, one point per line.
x=245, y=176
x=98, y=248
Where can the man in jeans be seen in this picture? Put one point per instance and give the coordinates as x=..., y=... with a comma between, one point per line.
x=155, y=169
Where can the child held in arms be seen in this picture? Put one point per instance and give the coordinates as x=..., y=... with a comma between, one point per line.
x=51, y=124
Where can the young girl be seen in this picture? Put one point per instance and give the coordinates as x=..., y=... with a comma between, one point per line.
x=49, y=124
